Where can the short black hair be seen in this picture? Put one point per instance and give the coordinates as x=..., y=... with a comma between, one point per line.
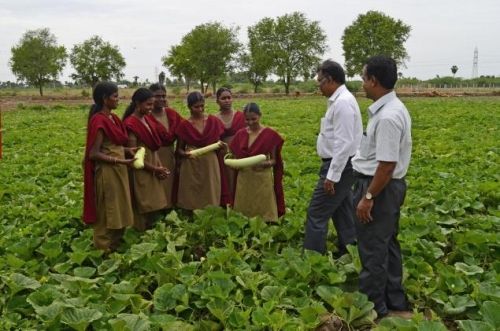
x=194, y=97
x=102, y=90
x=252, y=107
x=333, y=70
x=384, y=69
x=157, y=87
x=140, y=95
x=222, y=90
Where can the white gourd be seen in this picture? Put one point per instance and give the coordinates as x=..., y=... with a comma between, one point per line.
x=139, y=158
x=205, y=150
x=244, y=162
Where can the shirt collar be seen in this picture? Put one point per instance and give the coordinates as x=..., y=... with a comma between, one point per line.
x=337, y=92
x=381, y=102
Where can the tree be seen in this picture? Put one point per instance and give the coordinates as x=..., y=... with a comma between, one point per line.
x=37, y=59
x=257, y=63
x=454, y=70
x=179, y=64
x=373, y=33
x=95, y=60
x=208, y=52
x=294, y=43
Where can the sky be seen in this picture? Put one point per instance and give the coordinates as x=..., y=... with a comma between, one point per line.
x=444, y=32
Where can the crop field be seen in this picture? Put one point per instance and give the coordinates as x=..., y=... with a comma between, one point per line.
x=222, y=271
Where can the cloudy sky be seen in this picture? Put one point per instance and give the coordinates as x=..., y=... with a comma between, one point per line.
x=444, y=32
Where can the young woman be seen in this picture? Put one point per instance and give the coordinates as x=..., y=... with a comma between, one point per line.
x=201, y=179
x=259, y=190
x=149, y=196
x=169, y=120
x=233, y=121
x=105, y=170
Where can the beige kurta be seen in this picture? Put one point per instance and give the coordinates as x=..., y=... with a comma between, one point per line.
x=148, y=191
x=167, y=158
x=113, y=202
x=255, y=194
x=199, y=182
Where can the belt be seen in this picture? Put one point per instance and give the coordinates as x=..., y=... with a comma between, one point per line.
x=329, y=159
x=363, y=176
x=360, y=175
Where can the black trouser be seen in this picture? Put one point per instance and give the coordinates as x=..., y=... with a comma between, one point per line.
x=378, y=246
x=324, y=206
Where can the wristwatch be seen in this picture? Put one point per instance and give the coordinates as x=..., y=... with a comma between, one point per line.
x=369, y=196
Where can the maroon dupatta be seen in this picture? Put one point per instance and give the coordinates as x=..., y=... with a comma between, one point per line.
x=150, y=136
x=169, y=136
x=237, y=124
x=265, y=143
x=117, y=133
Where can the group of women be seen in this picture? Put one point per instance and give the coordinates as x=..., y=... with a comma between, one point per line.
x=117, y=195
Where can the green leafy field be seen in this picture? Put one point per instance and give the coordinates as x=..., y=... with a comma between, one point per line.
x=224, y=271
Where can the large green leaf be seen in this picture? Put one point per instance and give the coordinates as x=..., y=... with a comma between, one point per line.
x=108, y=266
x=431, y=326
x=490, y=310
x=84, y=272
x=130, y=322
x=469, y=270
x=18, y=282
x=329, y=294
x=269, y=293
x=80, y=318
x=167, y=296
x=221, y=309
x=469, y=325
x=138, y=251
x=458, y=304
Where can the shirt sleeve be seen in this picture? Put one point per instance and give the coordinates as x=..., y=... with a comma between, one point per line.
x=387, y=137
x=343, y=136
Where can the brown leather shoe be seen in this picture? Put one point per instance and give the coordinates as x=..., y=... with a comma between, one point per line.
x=404, y=314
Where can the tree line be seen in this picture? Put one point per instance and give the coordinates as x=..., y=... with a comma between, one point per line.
x=288, y=46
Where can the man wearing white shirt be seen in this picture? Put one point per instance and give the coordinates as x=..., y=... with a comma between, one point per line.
x=338, y=139
x=380, y=166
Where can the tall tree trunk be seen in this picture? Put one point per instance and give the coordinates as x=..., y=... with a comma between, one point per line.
x=214, y=86
x=40, y=88
x=287, y=85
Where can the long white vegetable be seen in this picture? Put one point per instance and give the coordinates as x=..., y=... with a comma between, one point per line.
x=206, y=149
x=139, y=158
x=244, y=162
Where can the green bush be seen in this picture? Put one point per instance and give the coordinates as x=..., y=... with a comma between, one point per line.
x=176, y=90
x=277, y=89
x=354, y=86
x=309, y=86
